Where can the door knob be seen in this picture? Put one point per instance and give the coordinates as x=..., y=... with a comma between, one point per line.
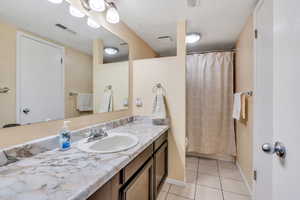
x=278, y=149
x=26, y=111
x=267, y=148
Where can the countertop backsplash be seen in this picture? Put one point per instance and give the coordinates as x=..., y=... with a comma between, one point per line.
x=38, y=146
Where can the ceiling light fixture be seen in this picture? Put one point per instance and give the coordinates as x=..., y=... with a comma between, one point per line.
x=75, y=12
x=192, y=38
x=56, y=1
x=97, y=5
x=111, y=50
x=92, y=23
x=112, y=15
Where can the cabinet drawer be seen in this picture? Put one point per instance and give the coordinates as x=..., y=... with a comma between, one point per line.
x=137, y=163
x=160, y=140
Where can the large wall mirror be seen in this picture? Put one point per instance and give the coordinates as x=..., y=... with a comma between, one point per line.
x=46, y=65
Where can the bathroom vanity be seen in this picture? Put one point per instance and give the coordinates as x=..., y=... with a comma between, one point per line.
x=42, y=171
x=142, y=178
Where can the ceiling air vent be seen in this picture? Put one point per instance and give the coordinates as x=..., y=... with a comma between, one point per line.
x=193, y=3
x=165, y=38
x=123, y=44
x=65, y=28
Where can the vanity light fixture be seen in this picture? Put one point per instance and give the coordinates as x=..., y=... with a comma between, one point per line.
x=111, y=50
x=97, y=5
x=112, y=15
x=75, y=12
x=92, y=23
x=192, y=38
x=56, y=1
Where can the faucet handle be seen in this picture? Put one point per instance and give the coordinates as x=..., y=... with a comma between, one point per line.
x=103, y=131
x=93, y=131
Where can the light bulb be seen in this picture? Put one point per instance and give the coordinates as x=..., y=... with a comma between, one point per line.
x=92, y=23
x=192, y=38
x=111, y=50
x=97, y=5
x=75, y=12
x=56, y=1
x=112, y=15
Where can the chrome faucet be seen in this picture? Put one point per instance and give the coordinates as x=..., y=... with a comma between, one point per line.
x=97, y=134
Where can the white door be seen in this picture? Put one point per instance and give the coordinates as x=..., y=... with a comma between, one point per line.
x=284, y=180
x=286, y=172
x=263, y=100
x=40, y=82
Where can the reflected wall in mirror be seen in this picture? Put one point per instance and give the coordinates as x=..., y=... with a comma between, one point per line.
x=111, y=79
x=46, y=63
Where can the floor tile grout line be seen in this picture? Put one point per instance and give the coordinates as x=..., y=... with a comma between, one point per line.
x=219, y=171
x=196, y=182
x=166, y=197
x=207, y=186
x=181, y=196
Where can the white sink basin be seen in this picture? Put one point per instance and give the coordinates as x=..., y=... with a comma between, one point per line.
x=114, y=142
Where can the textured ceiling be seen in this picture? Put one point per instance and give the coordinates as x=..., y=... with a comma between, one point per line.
x=218, y=21
x=40, y=17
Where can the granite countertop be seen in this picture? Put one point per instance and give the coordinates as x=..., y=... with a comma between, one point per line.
x=72, y=174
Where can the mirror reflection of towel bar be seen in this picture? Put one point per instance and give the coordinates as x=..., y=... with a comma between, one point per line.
x=248, y=93
x=4, y=90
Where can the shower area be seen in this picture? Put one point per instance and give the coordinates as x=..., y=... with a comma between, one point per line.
x=210, y=89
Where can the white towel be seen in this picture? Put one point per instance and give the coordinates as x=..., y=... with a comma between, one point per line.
x=3, y=159
x=159, y=107
x=107, y=102
x=237, y=106
x=84, y=102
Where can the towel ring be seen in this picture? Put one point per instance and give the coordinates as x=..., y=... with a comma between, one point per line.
x=4, y=90
x=159, y=86
x=108, y=87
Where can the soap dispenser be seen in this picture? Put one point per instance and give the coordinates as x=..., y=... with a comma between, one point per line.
x=65, y=137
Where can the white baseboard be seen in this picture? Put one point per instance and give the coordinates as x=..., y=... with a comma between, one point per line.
x=175, y=182
x=245, y=180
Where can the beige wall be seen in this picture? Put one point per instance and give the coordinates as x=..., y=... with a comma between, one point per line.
x=170, y=72
x=244, y=82
x=78, y=78
x=7, y=73
x=78, y=74
x=146, y=73
x=114, y=74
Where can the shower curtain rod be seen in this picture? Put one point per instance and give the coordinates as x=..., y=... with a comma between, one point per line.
x=212, y=51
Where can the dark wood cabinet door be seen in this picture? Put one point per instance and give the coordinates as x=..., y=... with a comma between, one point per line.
x=161, y=166
x=141, y=186
x=110, y=191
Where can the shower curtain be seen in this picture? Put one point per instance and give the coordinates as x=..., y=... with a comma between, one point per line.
x=210, y=127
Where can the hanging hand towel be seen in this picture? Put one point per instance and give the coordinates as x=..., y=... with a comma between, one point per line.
x=107, y=102
x=3, y=159
x=84, y=102
x=237, y=104
x=159, y=107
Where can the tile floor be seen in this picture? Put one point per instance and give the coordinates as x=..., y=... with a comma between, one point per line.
x=208, y=180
